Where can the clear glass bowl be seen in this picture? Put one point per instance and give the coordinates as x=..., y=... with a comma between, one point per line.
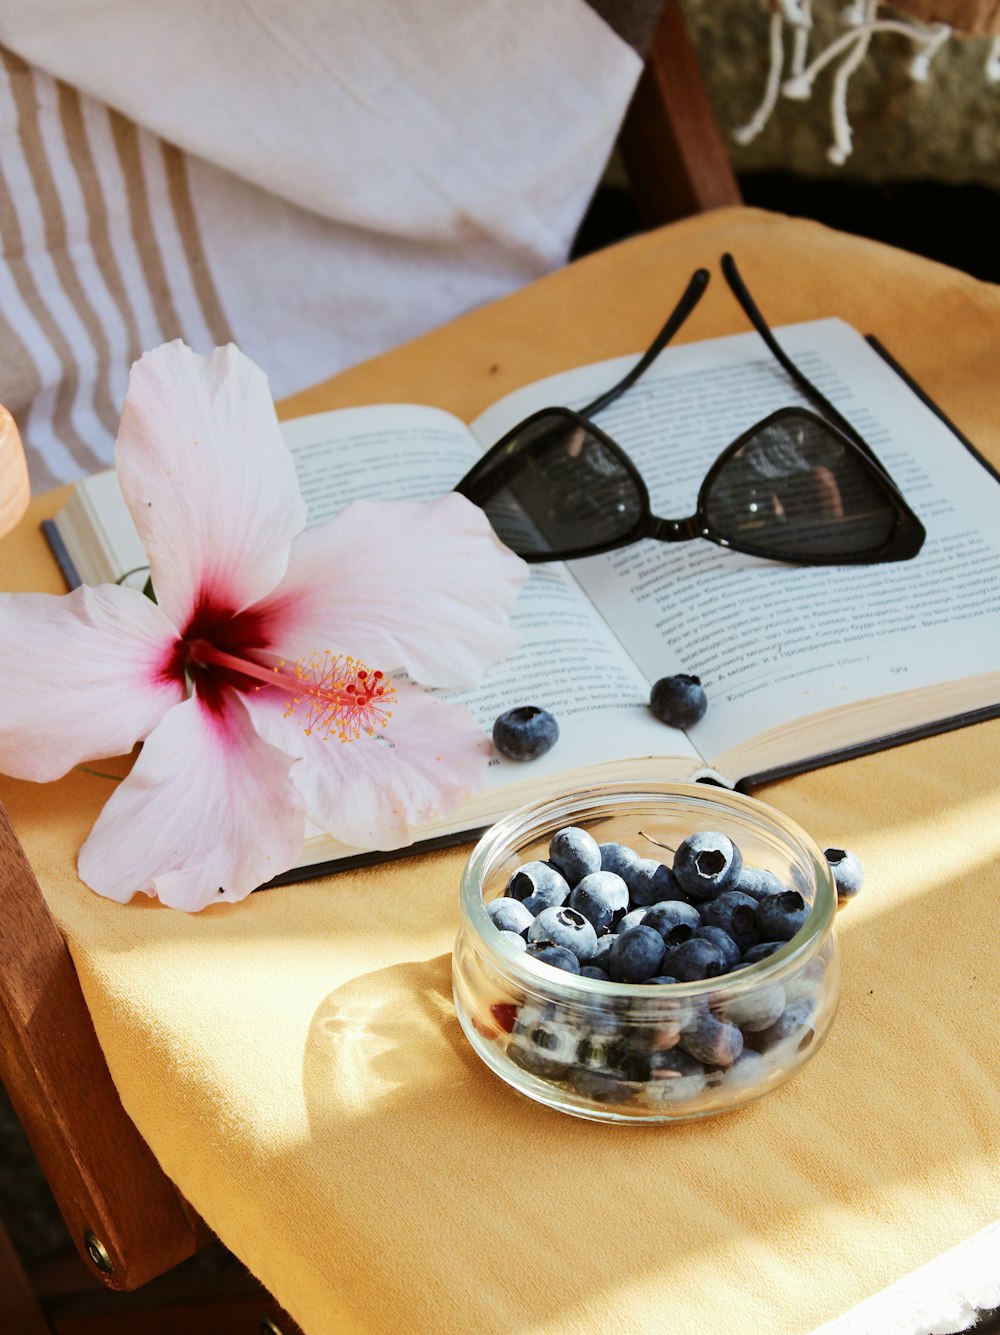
x=619, y=1052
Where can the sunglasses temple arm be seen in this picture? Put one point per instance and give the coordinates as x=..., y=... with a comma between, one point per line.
x=692, y=295
x=742, y=295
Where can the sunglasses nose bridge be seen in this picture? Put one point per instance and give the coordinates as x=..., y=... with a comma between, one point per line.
x=676, y=530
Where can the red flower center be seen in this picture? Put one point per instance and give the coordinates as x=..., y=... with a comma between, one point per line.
x=332, y=695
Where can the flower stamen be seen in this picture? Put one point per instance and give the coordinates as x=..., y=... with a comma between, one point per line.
x=333, y=696
x=338, y=696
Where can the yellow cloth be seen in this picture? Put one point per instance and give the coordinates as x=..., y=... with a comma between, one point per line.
x=295, y=1062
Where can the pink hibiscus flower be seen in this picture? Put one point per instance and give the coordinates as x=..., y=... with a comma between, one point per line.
x=260, y=683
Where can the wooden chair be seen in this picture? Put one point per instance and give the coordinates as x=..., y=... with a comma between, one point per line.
x=129, y=1223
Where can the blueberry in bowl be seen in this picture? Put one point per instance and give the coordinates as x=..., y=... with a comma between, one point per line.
x=689, y=967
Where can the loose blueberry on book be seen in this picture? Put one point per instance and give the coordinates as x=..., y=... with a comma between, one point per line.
x=679, y=701
x=525, y=733
x=603, y=912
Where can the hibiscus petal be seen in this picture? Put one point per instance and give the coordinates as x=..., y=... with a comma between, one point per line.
x=83, y=677
x=374, y=792
x=207, y=477
x=207, y=814
x=427, y=587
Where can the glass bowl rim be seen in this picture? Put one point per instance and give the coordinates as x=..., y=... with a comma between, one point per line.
x=546, y=980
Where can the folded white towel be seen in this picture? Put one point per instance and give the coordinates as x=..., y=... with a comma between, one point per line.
x=316, y=182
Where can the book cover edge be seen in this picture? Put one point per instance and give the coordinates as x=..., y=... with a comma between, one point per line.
x=887, y=742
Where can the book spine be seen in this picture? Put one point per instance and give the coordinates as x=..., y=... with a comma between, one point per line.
x=62, y=557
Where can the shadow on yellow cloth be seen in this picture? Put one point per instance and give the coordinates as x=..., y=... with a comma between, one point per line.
x=387, y=1035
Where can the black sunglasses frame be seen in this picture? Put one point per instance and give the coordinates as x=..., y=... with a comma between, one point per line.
x=904, y=541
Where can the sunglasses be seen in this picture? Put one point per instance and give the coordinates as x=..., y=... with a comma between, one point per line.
x=800, y=486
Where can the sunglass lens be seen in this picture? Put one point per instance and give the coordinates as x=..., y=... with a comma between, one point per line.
x=555, y=488
x=798, y=489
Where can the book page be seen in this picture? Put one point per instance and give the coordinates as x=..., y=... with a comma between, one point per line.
x=98, y=531
x=392, y=451
x=389, y=452
x=774, y=643
x=569, y=664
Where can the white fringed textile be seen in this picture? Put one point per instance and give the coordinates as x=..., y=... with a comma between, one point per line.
x=862, y=20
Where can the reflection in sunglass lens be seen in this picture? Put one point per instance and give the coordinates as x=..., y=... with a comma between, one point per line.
x=797, y=489
x=557, y=487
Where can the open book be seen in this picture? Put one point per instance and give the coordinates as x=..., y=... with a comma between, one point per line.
x=802, y=665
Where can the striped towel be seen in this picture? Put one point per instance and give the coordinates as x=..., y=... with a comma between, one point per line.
x=315, y=183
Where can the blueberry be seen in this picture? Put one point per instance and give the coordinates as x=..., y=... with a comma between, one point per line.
x=602, y=898
x=673, y=936
x=535, y=1061
x=694, y=959
x=515, y=939
x=712, y=1041
x=509, y=915
x=541, y=1044
x=636, y=955
x=575, y=853
x=670, y=913
x=618, y=858
x=794, y=1026
x=539, y=886
x=707, y=863
x=761, y=951
x=848, y=874
x=632, y=919
x=601, y=1086
x=564, y=927
x=676, y=1012
x=675, y=1076
x=665, y=1034
x=725, y=943
x=779, y=917
x=679, y=701
x=650, y=882
x=600, y=956
x=755, y=1010
x=615, y=1051
x=757, y=882
x=593, y=971
x=560, y=957
x=735, y=913
x=748, y=1068
x=525, y=733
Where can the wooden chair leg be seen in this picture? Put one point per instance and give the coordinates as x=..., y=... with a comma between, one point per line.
x=231, y=1302
x=125, y=1217
x=19, y=1309
x=211, y=1294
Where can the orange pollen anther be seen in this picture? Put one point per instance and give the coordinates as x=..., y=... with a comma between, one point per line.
x=333, y=695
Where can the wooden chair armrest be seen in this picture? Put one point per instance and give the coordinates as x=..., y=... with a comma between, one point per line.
x=670, y=141
x=104, y=1177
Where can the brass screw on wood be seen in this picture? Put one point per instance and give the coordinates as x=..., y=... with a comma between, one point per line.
x=98, y=1253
